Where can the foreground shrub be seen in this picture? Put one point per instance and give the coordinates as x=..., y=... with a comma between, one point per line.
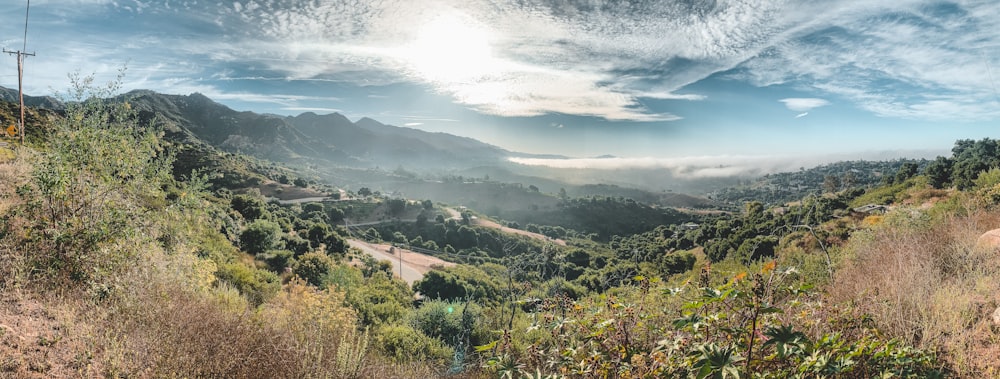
x=91, y=190
x=734, y=330
x=402, y=343
x=925, y=282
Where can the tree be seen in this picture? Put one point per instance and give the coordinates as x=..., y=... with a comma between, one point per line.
x=939, y=172
x=831, y=183
x=335, y=215
x=458, y=282
x=849, y=180
x=396, y=206
x=906, y=171
x=313, y=267
x=427, y=204
x=250, y=206
x=364, y=192
x=318, y=233
x=299, y=182
x=261, y=236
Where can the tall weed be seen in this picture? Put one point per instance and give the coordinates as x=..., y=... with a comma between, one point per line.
x=925, y=281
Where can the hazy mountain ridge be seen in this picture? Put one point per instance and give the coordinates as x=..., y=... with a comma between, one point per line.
x=330, y=139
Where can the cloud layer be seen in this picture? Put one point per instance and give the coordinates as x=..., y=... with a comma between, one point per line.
x=607, y=59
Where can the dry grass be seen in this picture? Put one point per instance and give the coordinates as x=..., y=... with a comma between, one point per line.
x=926, y=282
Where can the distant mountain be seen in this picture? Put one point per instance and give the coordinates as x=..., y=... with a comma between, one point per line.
x=366, y=152
x=47, y=102
x=330, y=139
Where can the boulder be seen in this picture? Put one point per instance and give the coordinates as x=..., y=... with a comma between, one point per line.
x=989, y=240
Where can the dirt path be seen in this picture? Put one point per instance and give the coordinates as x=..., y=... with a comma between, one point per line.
x=414, y=265
x=492, y=224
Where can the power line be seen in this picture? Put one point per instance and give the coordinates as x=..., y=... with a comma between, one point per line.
x=20, y=69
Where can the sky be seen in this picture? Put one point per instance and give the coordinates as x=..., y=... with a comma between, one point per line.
x=651, y=83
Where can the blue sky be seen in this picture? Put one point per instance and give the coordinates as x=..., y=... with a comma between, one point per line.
x=655, y=83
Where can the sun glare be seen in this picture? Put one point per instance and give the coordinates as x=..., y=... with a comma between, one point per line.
x=451, y=50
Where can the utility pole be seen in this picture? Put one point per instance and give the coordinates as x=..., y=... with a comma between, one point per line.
x=20, y=70
x=20, y=86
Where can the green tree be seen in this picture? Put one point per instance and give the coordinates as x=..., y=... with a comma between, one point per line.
x=458, y=282
x=250, y=206
x=906, y=171
x=313, y=267
x=939, y=172
x=261, y=236
x=831, y=183
x=381, y=299
x=396, y=206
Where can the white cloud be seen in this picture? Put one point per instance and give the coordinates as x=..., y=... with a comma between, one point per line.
x=413, y=124
x=804, y=104
x=801, y=115
x=907, y=58
x=684, y=167
x=719, y=166
x=312, y=109
x=919, y=60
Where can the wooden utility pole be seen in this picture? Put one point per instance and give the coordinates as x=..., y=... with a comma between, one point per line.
x=20, y=70
x=20, y=86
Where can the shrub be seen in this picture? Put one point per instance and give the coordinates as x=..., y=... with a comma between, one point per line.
x=380, y=300
x=313, y=267
x=257, y=285
x=260, y=236
x=404, y=344
x=91, y=188
x=450, y=321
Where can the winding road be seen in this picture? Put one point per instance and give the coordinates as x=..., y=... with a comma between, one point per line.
x=406, y=270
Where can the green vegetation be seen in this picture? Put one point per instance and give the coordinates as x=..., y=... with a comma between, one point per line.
x=153, y=272
x=780, y=188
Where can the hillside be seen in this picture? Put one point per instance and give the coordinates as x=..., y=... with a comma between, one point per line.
x=115, y=267
x=780, y=188
x=310, y=138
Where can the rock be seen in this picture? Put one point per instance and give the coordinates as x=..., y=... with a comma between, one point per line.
x=990, y=239
x=996, y=317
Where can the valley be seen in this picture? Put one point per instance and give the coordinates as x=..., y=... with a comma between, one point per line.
x=294, y=219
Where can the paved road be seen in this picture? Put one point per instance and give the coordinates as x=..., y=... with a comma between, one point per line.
x=409, y=273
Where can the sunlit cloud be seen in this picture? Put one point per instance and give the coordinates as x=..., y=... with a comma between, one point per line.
x=715, y=166
x=683, y=167
x=804, y=104
x=905, y=59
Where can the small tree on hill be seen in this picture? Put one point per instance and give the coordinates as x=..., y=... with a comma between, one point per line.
x=261, y=236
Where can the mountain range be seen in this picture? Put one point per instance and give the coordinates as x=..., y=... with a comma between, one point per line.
x=330, y=139
x=334, y=149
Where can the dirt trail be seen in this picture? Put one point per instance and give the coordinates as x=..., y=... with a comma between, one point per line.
x=414, y=265
x=492, y=224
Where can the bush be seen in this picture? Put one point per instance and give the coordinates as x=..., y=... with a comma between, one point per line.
x=95, y=184
x=405, y=344
x=257, y=285
x=450, y=321
x=313, y=267
x=278, y=260
x=261, y=236
x=380, y=300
